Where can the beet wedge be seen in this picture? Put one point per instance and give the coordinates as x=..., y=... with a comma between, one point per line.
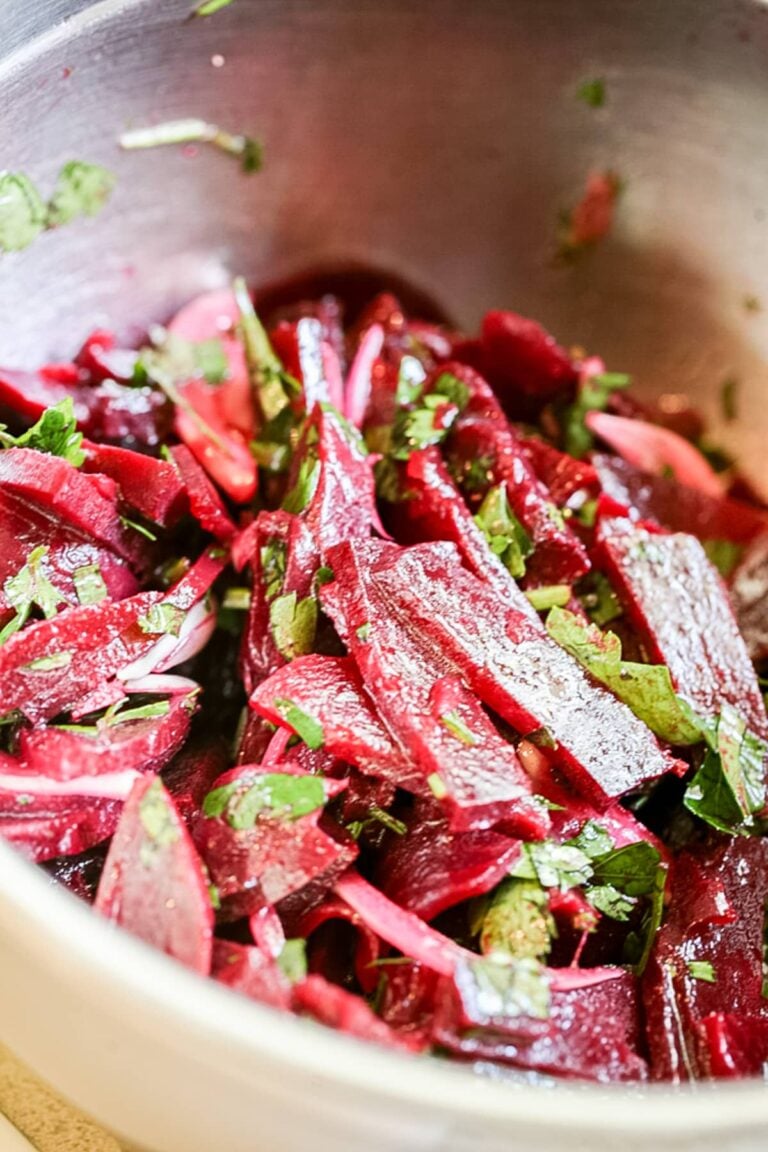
x=601, y=746
x=154, y=884
x=420, y=697
x=205, y=504
x=149, y=485
x=666, y=581
x=251, y=972
x=330, y=689
x=44, y=826
x=260, y=835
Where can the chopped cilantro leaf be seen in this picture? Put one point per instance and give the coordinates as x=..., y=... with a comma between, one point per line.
x=601, y=603
x=209, y=7
x=511, y=987
x=593, y=840
x=517, y=921
x=305, y=726
x=30, y=588
x=89, y=584
x=307, y=480
x=292, y=960
x=504, y=533
x=380, y=816
x=81, y=190
x=592, y=92
x=611, y=902
x=729, y=398
x=437, y=787
x=410, y=379
x=54, y=433
x=456, y=726
x=238, y=599
x=553, y=865
x=293, y=624
x=702, y=970
x=273, y=558
x=276, y=795
x=645, y=688
x=729, y=788
x=162, y=620
x=50, y=663
x=156, y=816
x=452, y=389
x=271, y=383
x=593, y=396
x=363, y=633
x=631, y=869
x=23, y=213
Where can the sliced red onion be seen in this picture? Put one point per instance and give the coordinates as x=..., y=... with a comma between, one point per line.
x=333, y=375
x=358, y=389
x=656, y=450
x=111, y=786
x=162, y=685
x=197, y=629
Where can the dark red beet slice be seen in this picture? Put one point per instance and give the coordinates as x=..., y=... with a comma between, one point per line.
x=299, y=345
x=149, y=485
x=737, y=1045
x=252, y=973
x=28, y=394
x=666, y=581
x=87, y=503
x=407, y=1001
x=676, y=507
x=435, y=510
x=153, y=883
x=330, y=689
x=715, y=917
x=49, y=665
x=190, y=776
x=144, y=745
x=431, y=868
x=558, y=556
x=424, y=704
x=592, y=1032
x=45, y=826
x=521, y=356
x=205, y=504
x=512, y=666
x=345, y=1012
x=274, y=856
x=560, y=473
x=367, y=951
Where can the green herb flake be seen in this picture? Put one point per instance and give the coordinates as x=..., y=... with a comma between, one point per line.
x=162, y=619
x=511, y=987
x=89, y=584
x=437, y=787
x=306, y=727
x=631, y=870
x=209, y=7
x=274, y=795
x=237, y=599
x=517, y=921
x=456, y=726
x=157, y=816
x=272, y=558
x=293, y=624
x=363, y=633
x=724, y=554
x=54, y=433
x=593, y=840
x=592, y=92
x=503, y=532
x=410, y=380
x=142, y=529
x=702, y=970
x=192, y=131
x=292, y=960
x=593, y=396
x=324, y=575
x=307, y=480
x=553, y=865
x=729, y=789
x=550, y=596
x=729, y=399
x=751, y=303
x=52, y=663
x=611, y=902
x=23, y=212
x=30, y=588
x=453, y=389
x=600, y=602
x=271, y=384
x=81, y=190
x=645, y=688
x=378, y=816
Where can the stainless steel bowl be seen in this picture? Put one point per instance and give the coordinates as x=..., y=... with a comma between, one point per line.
x=440, y=140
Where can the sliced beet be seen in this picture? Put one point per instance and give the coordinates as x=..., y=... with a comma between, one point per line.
x=676, y=507
x=271, y=855
x=221, y=449
x=563, y=475
x=330, y=689
x=421, y=699
x=45, y=826
x=520, y=356
x=591, y=1032
x=512, y=666
x=251, y=972
x=737, y=1045
x=407, y=1001
x=432, y=868
x=435, y=510
x=559, y=556
x=715, y=918
x=666, y=581
x=368, y=945
x=749, y=596
x=28, y=394
x=49, y=665
x=299, y=345
x=145, y=745
x=205, y=504
x=151, y=486
x=345, y=1012
x=153, y=883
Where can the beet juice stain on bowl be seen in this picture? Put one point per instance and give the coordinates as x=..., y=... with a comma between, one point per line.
x=327, y=670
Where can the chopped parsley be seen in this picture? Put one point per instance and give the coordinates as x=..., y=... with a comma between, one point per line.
x=292, y=960
x=192, y=131
x=504, y=533
x=52, y=663
x=55, y=433
x=81, y=189
x=276, y=795
x=724, y=554
x=209, y=7
x=593, y=396
x=517, y=921
x=89, y=584
x=272, y=558
x=307, y=480
x=506, y=986
x=162, y=619
x=272, y=385
x=702, y=970
x=592, y=92
x=550, y=596
x=306, y=727
x=456, y=726
x=30, y=588
x=156, y=816
x=378, y=816
x=553, y=865
x=293, y=624
x=728, y=790
x=600, y=602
